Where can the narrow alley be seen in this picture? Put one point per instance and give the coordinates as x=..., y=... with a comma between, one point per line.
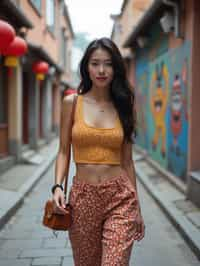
x=24, y=241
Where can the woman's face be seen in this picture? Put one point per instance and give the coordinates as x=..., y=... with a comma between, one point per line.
x=100, y=68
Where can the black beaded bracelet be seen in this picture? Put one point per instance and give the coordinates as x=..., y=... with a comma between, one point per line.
x=55, y=186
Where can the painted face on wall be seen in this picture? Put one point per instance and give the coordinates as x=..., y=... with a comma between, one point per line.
x=159, y=93
x=158, y=100
x=100, y=68
x=176, y=107
x=176, y=95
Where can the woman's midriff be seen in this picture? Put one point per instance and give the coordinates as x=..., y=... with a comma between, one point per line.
x=97, y=173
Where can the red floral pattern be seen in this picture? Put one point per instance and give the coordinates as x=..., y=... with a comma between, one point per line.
x=103, y=228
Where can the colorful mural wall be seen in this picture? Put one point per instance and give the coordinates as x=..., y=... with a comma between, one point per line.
x=162, y=95
x=142, y=78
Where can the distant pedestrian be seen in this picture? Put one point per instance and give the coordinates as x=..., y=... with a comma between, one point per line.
x=105, y=204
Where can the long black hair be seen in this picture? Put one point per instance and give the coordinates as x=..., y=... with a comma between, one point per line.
x=120, y=91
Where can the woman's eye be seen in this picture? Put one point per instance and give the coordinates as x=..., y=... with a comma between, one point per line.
x=108, y=64
x=94, y=64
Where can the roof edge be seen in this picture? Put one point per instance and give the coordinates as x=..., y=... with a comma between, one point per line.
x=44, y=55
x=17, y=12
x=150, y=13
x=66, y=13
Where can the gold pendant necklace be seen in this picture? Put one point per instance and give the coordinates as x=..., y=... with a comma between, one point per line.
x=94, y=102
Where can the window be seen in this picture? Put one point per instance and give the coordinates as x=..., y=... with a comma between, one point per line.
x=63, y=48
x=50, y=14
x=36, y=4
x=62, y=4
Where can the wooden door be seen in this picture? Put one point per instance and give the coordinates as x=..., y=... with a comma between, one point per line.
x=25, y=110
x=3, y=111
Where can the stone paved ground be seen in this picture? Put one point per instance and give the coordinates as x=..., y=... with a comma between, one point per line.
x=24, y=241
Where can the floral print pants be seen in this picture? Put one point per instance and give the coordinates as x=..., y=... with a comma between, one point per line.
x=103, y=227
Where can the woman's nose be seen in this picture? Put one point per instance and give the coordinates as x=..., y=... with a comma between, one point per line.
x=101, y=68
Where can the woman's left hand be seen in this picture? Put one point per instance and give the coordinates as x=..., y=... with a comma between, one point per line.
x=140, y=227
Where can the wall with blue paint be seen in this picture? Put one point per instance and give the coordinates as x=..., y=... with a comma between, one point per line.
x=142, y=78
x=162, y=78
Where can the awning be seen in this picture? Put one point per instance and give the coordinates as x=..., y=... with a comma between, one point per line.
x=13, y=14
x=153, y=13
x=39, y=51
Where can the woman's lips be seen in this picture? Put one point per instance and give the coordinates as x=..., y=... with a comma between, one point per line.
x=101, y=78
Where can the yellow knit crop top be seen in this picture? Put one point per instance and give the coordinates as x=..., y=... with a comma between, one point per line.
x=95, y=145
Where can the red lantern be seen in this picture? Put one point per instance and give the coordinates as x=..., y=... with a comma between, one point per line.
x=69, y=91
x=7, y=34
x=17, y=48
x=40, y=68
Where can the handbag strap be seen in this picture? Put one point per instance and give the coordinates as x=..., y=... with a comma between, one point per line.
x=68, y=161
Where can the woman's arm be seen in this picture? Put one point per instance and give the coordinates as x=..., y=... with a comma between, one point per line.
x=65, y=139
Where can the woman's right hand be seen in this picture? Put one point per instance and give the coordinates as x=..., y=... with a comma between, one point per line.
x=59, y=201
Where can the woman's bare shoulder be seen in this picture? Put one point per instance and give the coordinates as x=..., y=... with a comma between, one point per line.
x=67, y=102
x=68, y=99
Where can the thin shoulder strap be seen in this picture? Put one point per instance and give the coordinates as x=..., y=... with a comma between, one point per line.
x=68, y=162
x=74, y=107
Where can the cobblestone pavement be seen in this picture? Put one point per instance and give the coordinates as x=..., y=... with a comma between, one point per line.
x=24, y=241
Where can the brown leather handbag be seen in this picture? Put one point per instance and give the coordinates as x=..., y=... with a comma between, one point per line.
x=54, y=220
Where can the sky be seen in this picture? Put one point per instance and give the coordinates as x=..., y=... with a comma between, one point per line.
x=93, y=16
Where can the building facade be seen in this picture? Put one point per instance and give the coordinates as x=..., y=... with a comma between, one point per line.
x=165, y=55
x=30, y=108
x=131, y=13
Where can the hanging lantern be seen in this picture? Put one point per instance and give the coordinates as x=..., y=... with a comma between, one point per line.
x=69, y=91
x=40, y=68
x=7, y=35
x=16, y=49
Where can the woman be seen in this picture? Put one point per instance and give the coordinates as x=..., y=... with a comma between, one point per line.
x=105, y=205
